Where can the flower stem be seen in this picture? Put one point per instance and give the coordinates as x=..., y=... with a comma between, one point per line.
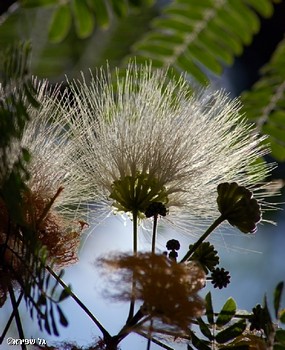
x=135, y=232
x=154, y=234
x=214, y=225
x=135, y=250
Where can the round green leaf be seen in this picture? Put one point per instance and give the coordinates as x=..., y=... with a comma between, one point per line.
x=83, y=17
x=60, y=24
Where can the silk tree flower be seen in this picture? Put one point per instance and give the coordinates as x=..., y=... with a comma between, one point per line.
x=148, y=139
x=50, y=205
x=167, y=290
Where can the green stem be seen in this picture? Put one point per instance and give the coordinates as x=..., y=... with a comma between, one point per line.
x=135, y=232
x=135, y=251
x=153, y=252
x=214, y=225
x=129, y=326
x=154, y=234
x=155, y=341
x=80, y=303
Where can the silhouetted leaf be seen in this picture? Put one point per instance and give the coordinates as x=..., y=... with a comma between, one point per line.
x=209, y=308
x=62, y=318
x=277, y=297
x=65, y=293
x=205, y=329
x=231, y=332
x=199, y=343
x=264, y=104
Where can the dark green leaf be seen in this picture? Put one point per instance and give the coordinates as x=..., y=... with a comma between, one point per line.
x=205, y=329
x=65, y=294
x=120, y=7
x=264, y=7
x=203, y=33
x=83, y=17
x=265, y=103
x=275, y=132
x=53, y=323
x=60, y=23
x=227, y=312
x=30, y=93
x=208, y=60
x=268, y=325
x=280, y=336
x=282, y=316
x=277, y=297
x=278, y=347
x=62, y=318
x=100, y=10
x=231, y=332
x=199, y=343
x=209, y=308
x=42, y=299
x=47, y=326
x=26, y=155
x=185, y=63
x=38, y=3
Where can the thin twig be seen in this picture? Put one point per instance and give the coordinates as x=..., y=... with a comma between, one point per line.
x=135, y=250
x=17, y=316
x=11, y=318
x=105, y=333
x=154, y=233
x=214, y=225
x=155, y=341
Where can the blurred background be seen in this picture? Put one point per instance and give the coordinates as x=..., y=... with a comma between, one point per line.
x=65, y=43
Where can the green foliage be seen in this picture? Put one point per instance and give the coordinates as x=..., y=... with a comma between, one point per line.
x=230, y=329
x=221, y=329
x=17, y=92
x=198, y=38
x=40, y=291
x=60, y=23
x=85, y=14
x=277, y=297
x=203, y=35
x=264, y=104
x=22, y=257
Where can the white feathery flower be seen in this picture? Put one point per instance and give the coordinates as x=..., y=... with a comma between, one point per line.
x=149, y=140
x=52, y=165
x=51, y=202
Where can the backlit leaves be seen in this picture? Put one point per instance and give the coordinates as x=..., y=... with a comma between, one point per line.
x=85, y=14
x=264, y=104
x=200, y=37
